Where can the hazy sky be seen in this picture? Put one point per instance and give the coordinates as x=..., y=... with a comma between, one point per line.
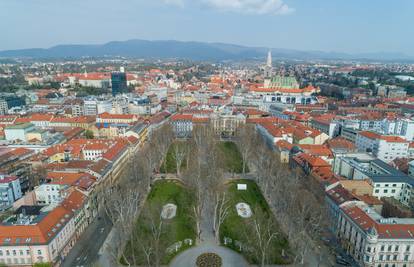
x=328, y=25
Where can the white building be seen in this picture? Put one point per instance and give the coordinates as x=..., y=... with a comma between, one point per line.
x=10, y=191
x=372, y=240
x=401, y=127
x=386, y=148
x=18, y=131
x=90, y=108
x=47, y=194
x=182, y=124
x=44, y=237
x=386, y=180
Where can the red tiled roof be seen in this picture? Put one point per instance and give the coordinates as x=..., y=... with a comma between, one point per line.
x=386, y=231
x=388, y=138
x=40, y=233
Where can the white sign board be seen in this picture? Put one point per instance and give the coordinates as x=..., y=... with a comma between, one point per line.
x=241, y=186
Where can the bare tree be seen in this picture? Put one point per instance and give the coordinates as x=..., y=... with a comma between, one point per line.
x=37, y=175
x=192, y=178
x=261, y=231
x=246, y=141
x=181, y=151
x=122, y=207
x=221, y=211
x=160, y=141
x=157, y=227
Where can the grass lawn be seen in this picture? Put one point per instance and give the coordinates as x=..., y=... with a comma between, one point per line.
x=232, y=157
x=170, y=164
x=234, y=226
x=181, y=227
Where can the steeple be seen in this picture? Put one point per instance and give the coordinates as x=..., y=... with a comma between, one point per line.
x=269, y=59
x=268, y=68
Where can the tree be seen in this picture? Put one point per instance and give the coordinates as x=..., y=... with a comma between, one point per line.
x=192, y=177
x=161, y=139
x=180, y=150
x=246, y=141
x=89, y=134
x=37, y=175
x=221, y=211
x=122, y=207
x=260, y=232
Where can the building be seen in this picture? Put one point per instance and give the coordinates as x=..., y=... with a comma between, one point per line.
x=18, y=131
x=3, y=106
x=268, y=68
x=182, y=124
x=225, y=124
x=36, y=235
x=385, y=180
x=116, y=118
x=10, y=191
x=373, y=240
x=119, y=83
x=90, y=108
x=384, y=147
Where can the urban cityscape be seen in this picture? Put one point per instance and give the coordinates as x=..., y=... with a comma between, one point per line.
x=206, y=153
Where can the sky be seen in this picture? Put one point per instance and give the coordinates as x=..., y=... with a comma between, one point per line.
x=352, y=26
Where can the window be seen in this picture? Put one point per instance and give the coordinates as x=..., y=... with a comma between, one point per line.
x=406, y=258
x=376, y=190
x=407, y=248
x=395, y=257
x=39, y=252
x=397, y=248
x=385, y=191
x=381, y=257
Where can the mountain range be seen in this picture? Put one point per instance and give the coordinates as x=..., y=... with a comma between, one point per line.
x=188, y=50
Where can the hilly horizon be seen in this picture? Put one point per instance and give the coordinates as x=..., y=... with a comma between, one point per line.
x=188, y=50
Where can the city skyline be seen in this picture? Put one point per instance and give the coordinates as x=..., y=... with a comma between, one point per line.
x=352, y=27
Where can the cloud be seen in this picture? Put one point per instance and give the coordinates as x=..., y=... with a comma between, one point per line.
x=276, y=7
x=179, y=3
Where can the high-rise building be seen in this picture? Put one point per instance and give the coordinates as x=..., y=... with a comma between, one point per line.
x=119, y=82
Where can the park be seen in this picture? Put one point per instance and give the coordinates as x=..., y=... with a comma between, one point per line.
x=200, y=212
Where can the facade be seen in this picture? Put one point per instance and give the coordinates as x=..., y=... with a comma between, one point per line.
x=373, y=240
x=182, y=124
x=119, y=83
x=39, y=237
x=90, y=108
x=385, y=180
x=386, y=148
x=18, y=131
x=227, y=124
x=10, y=191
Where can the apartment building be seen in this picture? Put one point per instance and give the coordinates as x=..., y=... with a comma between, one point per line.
x=374, y=241
x=384, y=147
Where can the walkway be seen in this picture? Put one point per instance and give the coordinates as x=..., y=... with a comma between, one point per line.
x=208, y=243
x=229, y=257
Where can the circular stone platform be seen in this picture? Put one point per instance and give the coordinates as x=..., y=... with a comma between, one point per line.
x=168, y=211
x=243, y=210
x=209, y=260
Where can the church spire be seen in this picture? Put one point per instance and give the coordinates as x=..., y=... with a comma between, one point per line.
x=269, y=59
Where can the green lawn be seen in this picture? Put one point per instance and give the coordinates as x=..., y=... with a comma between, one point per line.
x=232, y=157
x=169, y=166
x=177, y=229
x=236, y=227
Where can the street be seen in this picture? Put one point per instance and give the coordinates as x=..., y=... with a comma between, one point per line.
x=85, y=251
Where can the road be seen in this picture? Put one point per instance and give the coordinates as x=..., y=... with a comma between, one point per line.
x=85, y=251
